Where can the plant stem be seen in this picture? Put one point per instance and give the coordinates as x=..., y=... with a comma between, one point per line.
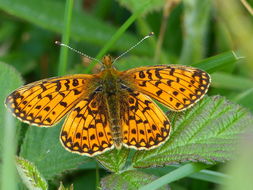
x=176, y=174
x=8, y=176
x=65, y=37
x=119, y=32
x=169, y=5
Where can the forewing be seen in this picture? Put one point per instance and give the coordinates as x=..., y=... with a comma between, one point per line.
x=144, y=124
x=86, y=130
x=45, y=102
x=177, y=87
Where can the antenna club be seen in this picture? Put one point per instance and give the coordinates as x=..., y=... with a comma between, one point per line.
x=151, y=34
x=57, y=43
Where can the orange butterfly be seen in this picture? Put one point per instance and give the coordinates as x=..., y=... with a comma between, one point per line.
x=111, y=108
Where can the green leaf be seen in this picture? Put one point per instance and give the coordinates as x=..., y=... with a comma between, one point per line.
x=114, y=160
x=43, y=14
x=9, y=79
x=30, y=175
x=17, y=60
x=229, y=81
x=134, y=5
x=217, y=62
x=206, y=133
x=130, y=180
x=42, y=147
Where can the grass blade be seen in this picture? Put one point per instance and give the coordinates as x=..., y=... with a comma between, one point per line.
x=210, y=176
x=119, y=33
x=9, y=148
x=228, y=81
x=177, y=174
x=218, y=62
x=65, y=37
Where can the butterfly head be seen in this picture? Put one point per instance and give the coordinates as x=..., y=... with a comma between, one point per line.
x=107, y=61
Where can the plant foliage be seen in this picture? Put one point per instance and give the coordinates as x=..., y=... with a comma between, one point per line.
x=186, y=33
x=30, y=175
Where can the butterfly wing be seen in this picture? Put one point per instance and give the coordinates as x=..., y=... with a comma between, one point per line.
x=86, y=130
x=144, y=124
x=45, y=102
x=177, y=87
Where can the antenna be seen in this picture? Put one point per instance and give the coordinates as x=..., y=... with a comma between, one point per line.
x=80, y=53
x=145, y=37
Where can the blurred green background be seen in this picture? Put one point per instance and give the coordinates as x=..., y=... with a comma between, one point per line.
x=186, y=32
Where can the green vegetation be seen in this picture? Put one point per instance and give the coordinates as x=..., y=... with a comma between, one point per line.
x=211, y=143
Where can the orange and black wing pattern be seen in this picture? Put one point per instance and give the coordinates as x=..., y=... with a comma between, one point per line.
x=86, y=130
x=144, y=124
x=178, y=87
x=45, y=102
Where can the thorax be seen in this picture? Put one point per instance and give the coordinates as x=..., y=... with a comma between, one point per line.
x=110, y=83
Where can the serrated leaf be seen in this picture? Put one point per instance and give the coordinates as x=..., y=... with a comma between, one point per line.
x=30, y=175
x=130, y=180
x=114, y=160
x=205, y=133
x=134, y=5
x=61, y=187
x=42, y=147
x=43, y=14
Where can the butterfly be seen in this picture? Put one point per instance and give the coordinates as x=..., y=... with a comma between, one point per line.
x=112, y=108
